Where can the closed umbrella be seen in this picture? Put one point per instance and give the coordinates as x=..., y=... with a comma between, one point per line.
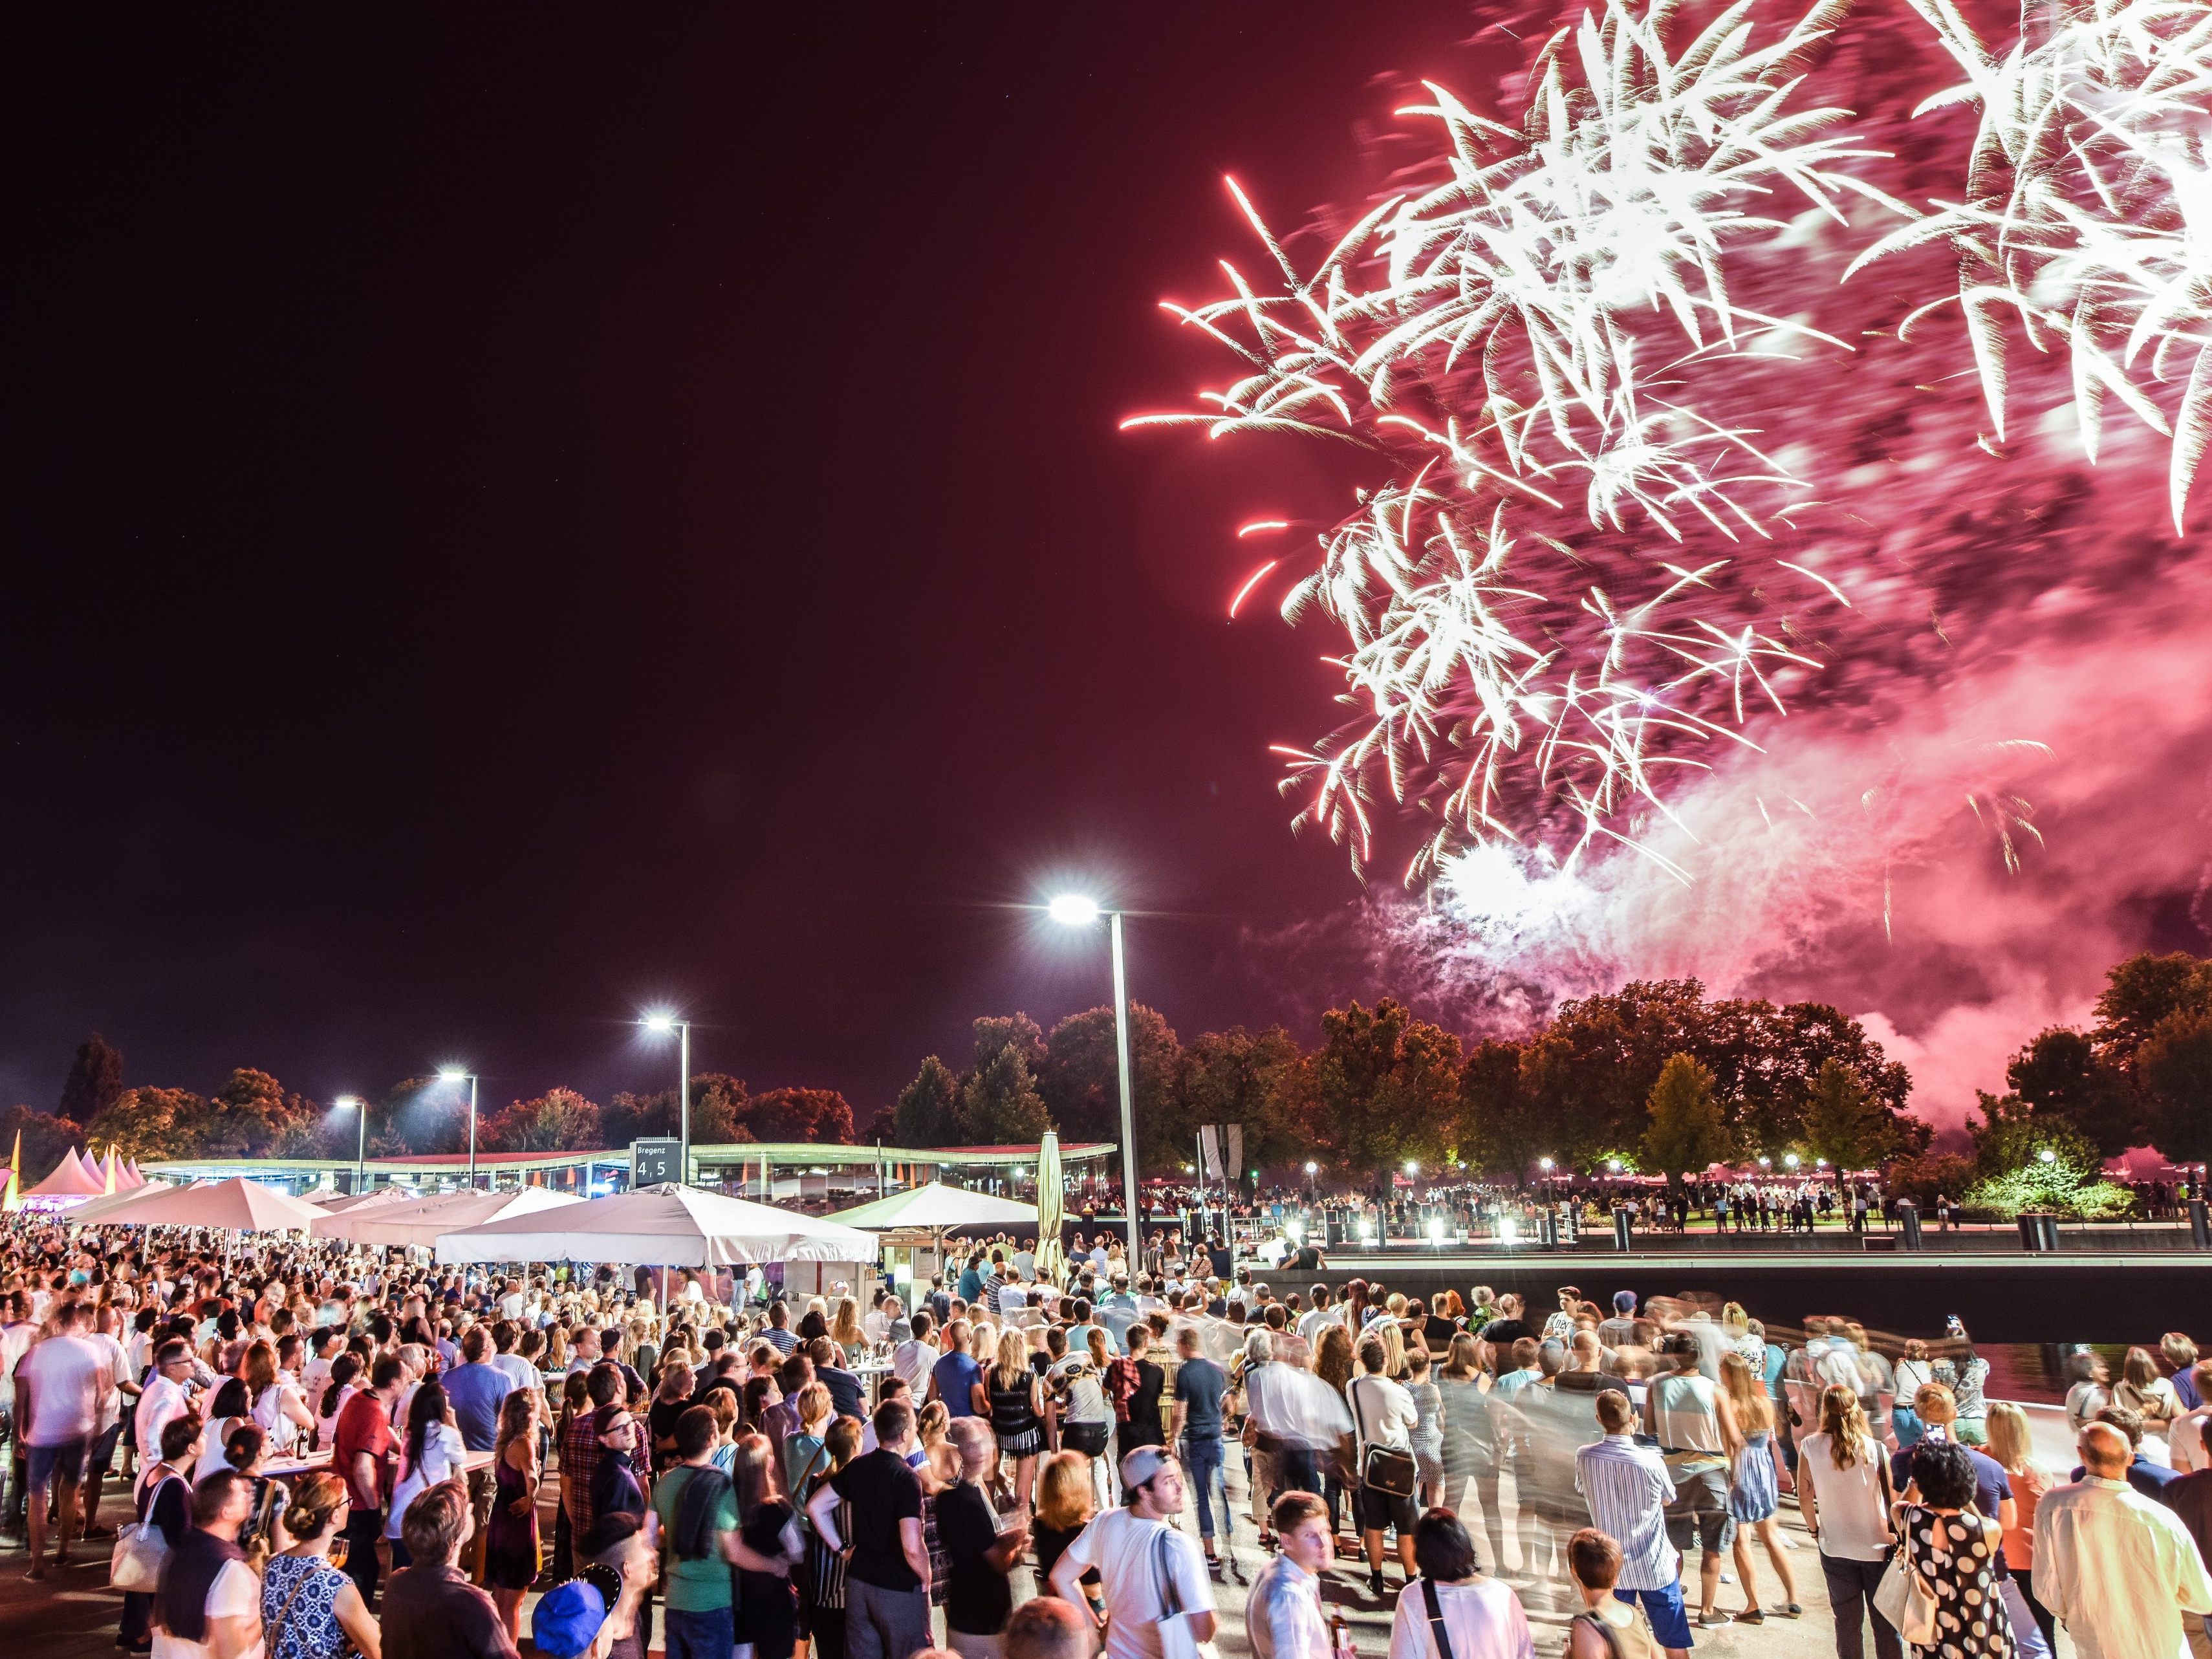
x=1052, y=1212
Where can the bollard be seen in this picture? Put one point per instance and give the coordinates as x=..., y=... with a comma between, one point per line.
x=1547, y=1229
x=1908, y=1217
x=2200, y=1229
x=1624, y=1231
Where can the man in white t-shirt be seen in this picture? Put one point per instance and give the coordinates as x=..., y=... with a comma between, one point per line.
x=59, y=1386
x=1129, y=1546
x=231, y=1615
x=1382, y=1414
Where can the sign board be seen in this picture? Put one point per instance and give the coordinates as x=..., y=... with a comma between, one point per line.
x=654, y=1161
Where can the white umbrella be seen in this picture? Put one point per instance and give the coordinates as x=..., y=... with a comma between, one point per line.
x=237, y=1206
x=346, y=1203
x=109, y=1208
x=425, y=1220
x=663, y=1227
x=935, y=1208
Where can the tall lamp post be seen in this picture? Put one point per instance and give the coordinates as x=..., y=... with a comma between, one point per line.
x=1075, y=911
x=456, y=1074
x=361, y=1142
x=662, y=1023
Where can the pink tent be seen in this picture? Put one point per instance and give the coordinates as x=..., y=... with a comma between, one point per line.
x=110, y=1173
x=131, y=1169
x=70, y=1179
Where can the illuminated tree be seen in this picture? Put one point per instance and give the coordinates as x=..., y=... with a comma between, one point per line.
x=1249, y=1077
x=1686, y=1132
x=999, y=1105
x=1385, y=1085
x=1079, y=1077
x=2062, y=1075
x=558, y=1120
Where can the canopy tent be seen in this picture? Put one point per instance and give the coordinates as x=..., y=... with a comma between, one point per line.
x=70, y=1179
x=935, y=1208
x=425, y=1220
x=1052, y=1211
x=662, y=1226
x=237, y=1206
x=111, y=1207
x=137, y=1178
x=346, y=1203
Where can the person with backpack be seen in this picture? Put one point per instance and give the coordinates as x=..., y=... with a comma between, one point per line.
x=698, y=1509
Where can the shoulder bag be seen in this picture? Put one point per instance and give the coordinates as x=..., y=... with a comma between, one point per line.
x=275, y=1633
x=1435, y=1611
x=1175, y=1640
x=1903, y=1597
x=141, y=1550
x=1389, y=1470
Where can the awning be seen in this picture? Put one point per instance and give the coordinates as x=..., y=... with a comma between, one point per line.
x=662, y=1226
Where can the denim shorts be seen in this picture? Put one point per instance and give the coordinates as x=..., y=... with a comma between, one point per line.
x=1670, y=1619
x=66, y=1461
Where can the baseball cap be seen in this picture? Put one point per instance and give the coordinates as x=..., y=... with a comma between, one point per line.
x=1142, y=1464
x=567, y=1620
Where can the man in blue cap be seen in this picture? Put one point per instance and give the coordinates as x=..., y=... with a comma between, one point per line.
x=569, y=1621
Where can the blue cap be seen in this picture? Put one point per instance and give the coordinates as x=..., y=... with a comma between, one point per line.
x=567, y=1620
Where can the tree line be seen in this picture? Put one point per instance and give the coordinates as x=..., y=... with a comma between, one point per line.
x=1657, y=1076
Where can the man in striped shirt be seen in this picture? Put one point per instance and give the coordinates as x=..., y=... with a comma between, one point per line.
x=1628, y=1489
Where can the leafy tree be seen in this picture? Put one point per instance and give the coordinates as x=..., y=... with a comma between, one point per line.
x=2139, y=994
x=1842, y=1123
x=1080, y=1079
x=1016, y=1031
x=816, y=1114
x=1499, y=1129
x=1243, y=1077
x=1686, y=1132
x=558, y=1120
x=422, y=1116
x=719, y=1108
x=94, y=1080
x=2025, y=1159
x=1384, y=1085
x=152, y=1123
x=928, y=1111
x=250, y=1114
x=2174, y=1067
x=1926, y=1176
x=1767, y=1096
x=46, y=1137
x=628, y=1117
x=2061, y=1074
x=999, y=1105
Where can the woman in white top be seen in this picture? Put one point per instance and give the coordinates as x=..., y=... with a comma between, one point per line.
x=1482, y=1618
x=232, y=1406
x=277, y=1410
x=1844, y=1493
x=433, y=1453
x=2145, y=1392
x=345, y=1371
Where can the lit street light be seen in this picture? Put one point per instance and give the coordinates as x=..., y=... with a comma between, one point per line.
x=2048, y=1155
x=1077, y=910
x=1413, y=1166
x=1789, y=1159
x=660, y=1022
x=1545, y=1165
x=361, y=1142
x=458, y=1074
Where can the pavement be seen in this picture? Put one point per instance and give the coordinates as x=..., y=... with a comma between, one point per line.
x=72, y=1615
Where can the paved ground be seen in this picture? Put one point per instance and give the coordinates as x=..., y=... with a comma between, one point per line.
x=73, y=1614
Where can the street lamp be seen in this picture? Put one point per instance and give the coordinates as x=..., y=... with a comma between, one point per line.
x=460, y=1074
x=1789, y=1159
x=1079, y=910
x=361, y=1142
x=1613, y=1164
x=1545, y=1165
x=2048, y=1155
x=660, y=1022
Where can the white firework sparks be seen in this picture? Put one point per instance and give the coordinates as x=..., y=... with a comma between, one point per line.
x=1524, y=339
x=2087, y=217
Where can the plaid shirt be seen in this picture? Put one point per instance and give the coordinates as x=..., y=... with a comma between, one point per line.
x=1121, y=1384
x=579, y=1459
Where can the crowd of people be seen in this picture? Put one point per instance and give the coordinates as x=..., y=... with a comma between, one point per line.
x=324, y=1451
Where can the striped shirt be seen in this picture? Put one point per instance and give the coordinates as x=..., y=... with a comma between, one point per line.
x=1628, y=1489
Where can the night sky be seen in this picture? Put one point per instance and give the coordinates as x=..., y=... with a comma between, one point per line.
x=512, y=517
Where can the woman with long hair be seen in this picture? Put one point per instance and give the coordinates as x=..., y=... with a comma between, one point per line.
x=1332, y=1363
x=845, y=1330
x=1470, y=1445
x=232, y=1405
x=511, y=1542
x=768, y=1546
x=2012, y=1446
x=340, y=1388
x=823, y=1580
x=282, y=1415
x=1084, y=1418
x=247, y=1452
x=1065, y=1506
x=760, y=1393
x=309, y=1608
x=432, y=1452
x=2142, y=1389
x=1845, y=1495
x=1013, y=1387
x=802, y=1448
x=1754, y=1492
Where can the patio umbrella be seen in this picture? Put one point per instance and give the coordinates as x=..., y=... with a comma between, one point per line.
x=347, y=1203
x=1051, y=1210
x=425, y=1220
x=662, y=1226
x=235, y=1206
x=935, y=1207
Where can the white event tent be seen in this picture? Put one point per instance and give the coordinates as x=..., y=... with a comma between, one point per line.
x=935, y=1208
x=662, y=1226
x=237, y=1206
x=424, y=1221
x=111, y=1207
x=346, y=1203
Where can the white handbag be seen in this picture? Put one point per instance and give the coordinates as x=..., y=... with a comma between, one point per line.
x=1176, y=1641
x=1903, y=1597
x=141, y=1552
